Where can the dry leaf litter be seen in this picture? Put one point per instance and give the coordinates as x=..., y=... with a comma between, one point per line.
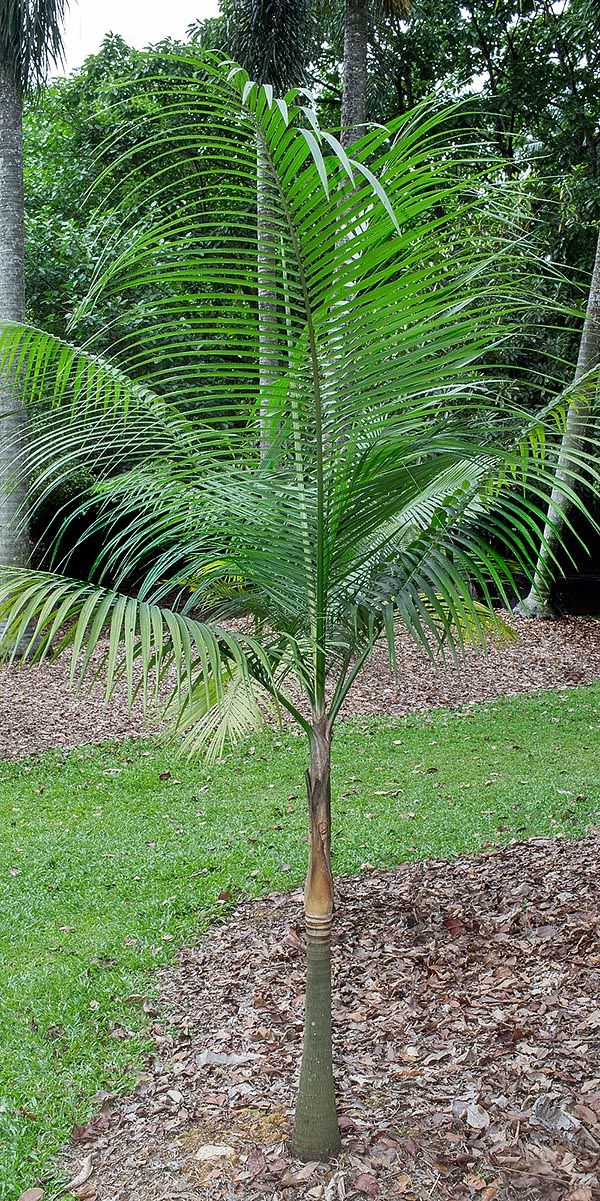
x=38, y=710
x=467, y=1044
x=467, y=1027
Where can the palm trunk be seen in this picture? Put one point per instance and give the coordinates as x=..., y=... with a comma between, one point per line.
x=538, y=602
x=316, y=1130
x=354, y=115
x=268, y=368
x=14, y=541
x=354, y=98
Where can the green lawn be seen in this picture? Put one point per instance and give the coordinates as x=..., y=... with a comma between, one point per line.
x=109, y=863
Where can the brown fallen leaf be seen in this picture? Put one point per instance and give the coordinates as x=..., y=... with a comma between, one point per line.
x=583, y=1192
x=367, y=1184
x=475, y=1182
x=295, y=938
x=92, y=1130
x=552, y=1116
x=32, y=1194
x=83, y=1174
x=402, y=1185
x=453, y=925
x=298, y=1175
x=475, y=1115
x=335, y=1189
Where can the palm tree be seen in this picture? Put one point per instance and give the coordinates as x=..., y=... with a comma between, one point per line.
x=358, y=16
x=30, y=40
x=269, y=38
x=378, y=503
x=538, y=602
x=354, y=70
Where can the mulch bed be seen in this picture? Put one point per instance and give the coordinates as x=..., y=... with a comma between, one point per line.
x=467, y=1044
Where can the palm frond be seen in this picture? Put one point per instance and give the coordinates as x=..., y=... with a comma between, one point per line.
x=115, y=637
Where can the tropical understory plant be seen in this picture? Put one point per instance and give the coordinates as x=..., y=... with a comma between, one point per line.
x=397, y=486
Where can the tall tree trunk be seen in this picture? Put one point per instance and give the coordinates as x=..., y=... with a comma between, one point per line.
x=268, y=341
x=316, y=1130
x=538, y=602
x=354, y=99
x=14, y=541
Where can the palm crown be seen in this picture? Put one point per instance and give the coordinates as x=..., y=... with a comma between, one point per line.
x=30, y=38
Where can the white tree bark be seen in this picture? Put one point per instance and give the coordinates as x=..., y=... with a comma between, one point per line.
x=538, y=602
x=14, y=541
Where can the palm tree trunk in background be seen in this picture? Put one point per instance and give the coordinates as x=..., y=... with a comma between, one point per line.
x=316, y=1131
x=354, y=99
x=14, y=540
x=268, y=341
x=538, y=602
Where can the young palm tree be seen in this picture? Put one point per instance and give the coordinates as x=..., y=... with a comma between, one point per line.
x=30, y=39
x=376, y=503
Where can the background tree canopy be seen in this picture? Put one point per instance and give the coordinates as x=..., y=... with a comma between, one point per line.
x=529, y=74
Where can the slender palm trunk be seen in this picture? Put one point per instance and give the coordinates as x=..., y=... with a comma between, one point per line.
x=268, y=366
x=538, y=602
x=354, y=115
x=354, y=98
x=316, y=1130
x=14, y=541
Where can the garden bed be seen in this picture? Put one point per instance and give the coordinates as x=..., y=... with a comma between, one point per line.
x=467, y=1035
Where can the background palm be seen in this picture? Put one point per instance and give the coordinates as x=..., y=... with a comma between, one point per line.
x=388, y=475
x=30, y=40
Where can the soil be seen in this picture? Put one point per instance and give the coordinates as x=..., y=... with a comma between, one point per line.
x=467, y=1027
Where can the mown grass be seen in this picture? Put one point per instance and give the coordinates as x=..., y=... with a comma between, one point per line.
x=109, y=863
